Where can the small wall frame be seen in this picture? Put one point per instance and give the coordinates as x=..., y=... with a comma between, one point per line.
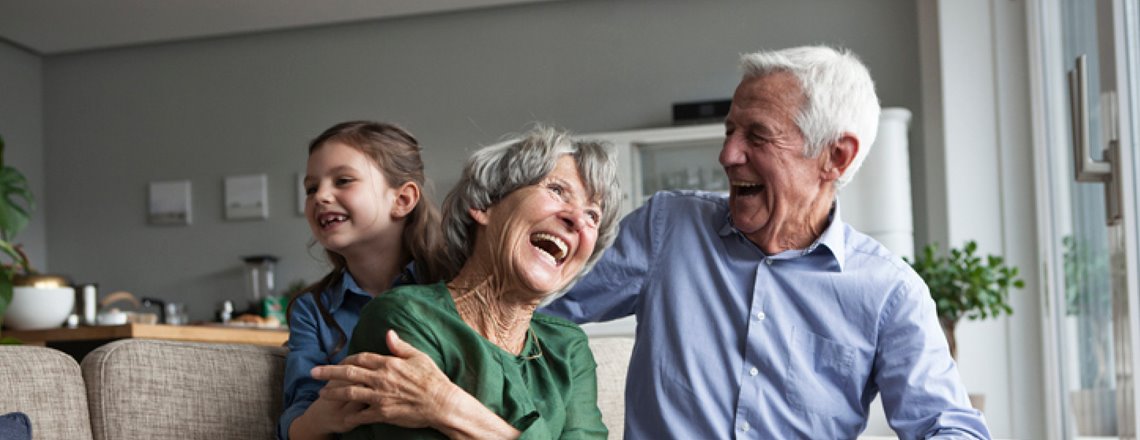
x=168, y=203
x=247, y=197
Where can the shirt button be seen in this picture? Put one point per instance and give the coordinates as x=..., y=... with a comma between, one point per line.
x=753, y=371
x=768, y=261
x=761, y=316
x=745, y=426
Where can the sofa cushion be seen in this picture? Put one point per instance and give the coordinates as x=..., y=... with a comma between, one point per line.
x=612, y=357
x=45, y=384
x=150, y=389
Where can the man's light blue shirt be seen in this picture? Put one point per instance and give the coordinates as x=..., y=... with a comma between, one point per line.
x=733, y=343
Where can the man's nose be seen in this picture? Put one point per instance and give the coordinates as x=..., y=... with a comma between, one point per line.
x=731, y=153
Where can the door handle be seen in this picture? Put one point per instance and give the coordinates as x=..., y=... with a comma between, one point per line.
x=1085, y=168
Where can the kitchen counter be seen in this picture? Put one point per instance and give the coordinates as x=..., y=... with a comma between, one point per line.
x=80, y=340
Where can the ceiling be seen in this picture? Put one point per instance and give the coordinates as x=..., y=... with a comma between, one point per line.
x=51, y=27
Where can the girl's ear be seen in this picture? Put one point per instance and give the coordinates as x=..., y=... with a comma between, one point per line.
x=407, y=196
x=481, y=216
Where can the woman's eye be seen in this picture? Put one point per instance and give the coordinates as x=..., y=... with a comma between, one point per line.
x=555, y=188
x=595, y=216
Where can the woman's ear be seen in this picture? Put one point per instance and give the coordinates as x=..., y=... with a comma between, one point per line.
x=840, y=155
x=407, y=196
x=481, y=216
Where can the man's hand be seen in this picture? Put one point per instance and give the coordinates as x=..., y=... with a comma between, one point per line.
x=406, y=389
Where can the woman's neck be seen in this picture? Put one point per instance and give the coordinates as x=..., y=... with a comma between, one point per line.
x=489, y=309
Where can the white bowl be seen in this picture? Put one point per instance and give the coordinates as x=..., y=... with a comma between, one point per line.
x=35, y=308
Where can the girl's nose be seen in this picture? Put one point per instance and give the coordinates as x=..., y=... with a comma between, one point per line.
x=323, y=194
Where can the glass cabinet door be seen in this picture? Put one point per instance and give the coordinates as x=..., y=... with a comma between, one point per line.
x=1086, y=126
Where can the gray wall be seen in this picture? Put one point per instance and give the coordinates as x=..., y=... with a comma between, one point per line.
x=203, y=110
x=21, y=125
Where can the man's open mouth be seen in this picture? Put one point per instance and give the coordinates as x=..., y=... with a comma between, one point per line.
x=747, y=189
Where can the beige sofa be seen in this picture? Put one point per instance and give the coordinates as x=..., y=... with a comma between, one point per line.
x=144, y=389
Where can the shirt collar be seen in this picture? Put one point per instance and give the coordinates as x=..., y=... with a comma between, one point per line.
x=832, y=238
x=348, y=286
x=345, y=287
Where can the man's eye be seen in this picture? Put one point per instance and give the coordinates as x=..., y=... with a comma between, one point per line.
x=555, y=188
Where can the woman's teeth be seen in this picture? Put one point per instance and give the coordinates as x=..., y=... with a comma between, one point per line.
x=552, y=246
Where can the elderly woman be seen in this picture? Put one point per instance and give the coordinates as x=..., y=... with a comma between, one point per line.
x=525, y=221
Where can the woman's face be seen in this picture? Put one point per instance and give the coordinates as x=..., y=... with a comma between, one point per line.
x=540, y=236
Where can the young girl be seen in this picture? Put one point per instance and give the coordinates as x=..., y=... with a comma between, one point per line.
x=365, y=205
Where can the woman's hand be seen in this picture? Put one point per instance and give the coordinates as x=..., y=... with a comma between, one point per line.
x=406, y=389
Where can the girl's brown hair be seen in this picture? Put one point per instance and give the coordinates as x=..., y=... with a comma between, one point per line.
x=397, y=154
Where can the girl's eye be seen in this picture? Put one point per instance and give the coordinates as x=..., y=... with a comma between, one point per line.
x=310, y=190
x=341, y=181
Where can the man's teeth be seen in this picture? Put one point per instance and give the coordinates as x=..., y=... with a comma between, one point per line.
x=746, y=185
x=540, y=238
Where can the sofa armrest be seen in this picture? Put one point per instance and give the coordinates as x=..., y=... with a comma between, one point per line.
x=45, y=384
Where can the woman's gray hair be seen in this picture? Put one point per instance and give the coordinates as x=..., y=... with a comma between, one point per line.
x=839, y=96
x=497, y=170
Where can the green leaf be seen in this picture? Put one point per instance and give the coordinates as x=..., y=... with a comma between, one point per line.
x=963, y=284
x=16, y=202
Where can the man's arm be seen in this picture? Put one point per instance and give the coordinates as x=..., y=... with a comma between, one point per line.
x=913, y=350
x=609, y=291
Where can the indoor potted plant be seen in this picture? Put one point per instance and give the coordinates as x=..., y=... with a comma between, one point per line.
x=16, y=204
x=968, y=286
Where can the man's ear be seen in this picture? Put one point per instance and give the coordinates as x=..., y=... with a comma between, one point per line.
x=481, y=216
x=840, y=155
x=407, y=196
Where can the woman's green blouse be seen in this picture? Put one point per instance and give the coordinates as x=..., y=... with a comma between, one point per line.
x=548, y=391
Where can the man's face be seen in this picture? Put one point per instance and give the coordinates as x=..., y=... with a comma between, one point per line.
x=777, y=195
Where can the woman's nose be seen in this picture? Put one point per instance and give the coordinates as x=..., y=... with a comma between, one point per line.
x=574, y=218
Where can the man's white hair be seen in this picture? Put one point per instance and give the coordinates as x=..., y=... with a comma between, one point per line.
x=839, y=97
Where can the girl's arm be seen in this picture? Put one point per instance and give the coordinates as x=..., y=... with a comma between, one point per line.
x=409, y=390
x=301, y=391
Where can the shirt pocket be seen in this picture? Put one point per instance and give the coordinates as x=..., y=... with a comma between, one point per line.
x=819, y=373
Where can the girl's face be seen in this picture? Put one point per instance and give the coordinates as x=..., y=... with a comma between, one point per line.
x=348, y=202
x=544, y=233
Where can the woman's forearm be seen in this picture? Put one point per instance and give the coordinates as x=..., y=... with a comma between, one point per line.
x=464, y=417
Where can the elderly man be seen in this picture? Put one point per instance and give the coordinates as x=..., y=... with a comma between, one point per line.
x=761, y=314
